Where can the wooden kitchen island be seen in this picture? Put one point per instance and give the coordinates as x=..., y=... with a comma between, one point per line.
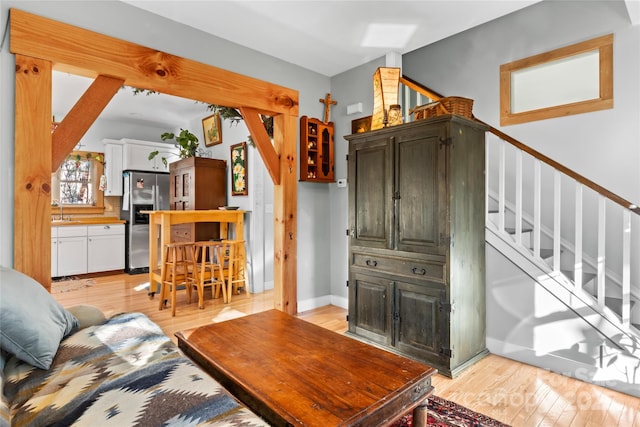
x=160, y=222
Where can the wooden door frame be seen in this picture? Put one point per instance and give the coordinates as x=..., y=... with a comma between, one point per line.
x=41, y=44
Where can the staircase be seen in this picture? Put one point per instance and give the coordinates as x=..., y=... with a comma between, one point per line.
x=559, y=251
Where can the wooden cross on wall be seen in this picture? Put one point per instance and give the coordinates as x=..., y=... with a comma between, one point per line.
x=327, y=101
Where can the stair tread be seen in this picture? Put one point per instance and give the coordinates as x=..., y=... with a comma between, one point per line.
x=615, y=304
x=512, y=230
x=546, y=253
x=586, y=276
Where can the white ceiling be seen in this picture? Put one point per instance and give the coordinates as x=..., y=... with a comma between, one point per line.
x=328, y=37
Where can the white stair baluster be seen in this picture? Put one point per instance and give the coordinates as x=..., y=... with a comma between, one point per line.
x=536, y=207
x=626, y=267
x=602, y=214
x=577, y=264
x=501, y=187
x=557, y=195
x=487, y=151
x=518, y=197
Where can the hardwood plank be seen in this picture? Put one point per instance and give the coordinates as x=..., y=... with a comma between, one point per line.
x=495, y=386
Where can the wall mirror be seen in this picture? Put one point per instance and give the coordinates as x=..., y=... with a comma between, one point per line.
x=570, y=80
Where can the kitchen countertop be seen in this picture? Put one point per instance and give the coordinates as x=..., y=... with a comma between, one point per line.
x=87, y=221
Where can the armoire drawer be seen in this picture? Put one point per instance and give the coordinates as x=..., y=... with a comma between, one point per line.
x=406, y=267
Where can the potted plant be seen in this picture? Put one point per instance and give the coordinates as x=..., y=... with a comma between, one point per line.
x=185, y=141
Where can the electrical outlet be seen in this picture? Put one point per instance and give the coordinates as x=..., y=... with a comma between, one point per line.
x=342, y=183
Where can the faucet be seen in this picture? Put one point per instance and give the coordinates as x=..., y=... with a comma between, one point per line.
x=62, y=214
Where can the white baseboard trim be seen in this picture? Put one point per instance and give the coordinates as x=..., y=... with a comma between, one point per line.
x=310, y=304
x=341, y=302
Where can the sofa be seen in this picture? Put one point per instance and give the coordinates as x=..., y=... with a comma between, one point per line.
x=64, y=367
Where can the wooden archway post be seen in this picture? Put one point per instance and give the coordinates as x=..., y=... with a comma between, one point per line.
x=39, y=42
x=32, y=176
x=284, y=216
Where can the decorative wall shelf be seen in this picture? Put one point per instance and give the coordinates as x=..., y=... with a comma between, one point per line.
x=316, y=150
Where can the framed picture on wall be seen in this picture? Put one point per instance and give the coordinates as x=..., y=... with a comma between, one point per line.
x=212, y=130
x=239, y=172
x=361, y=125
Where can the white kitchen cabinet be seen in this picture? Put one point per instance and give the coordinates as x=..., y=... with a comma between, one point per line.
x=113, y=166
x=136, y=155
x=82, y=249
x=71, y=250
x=105, y=247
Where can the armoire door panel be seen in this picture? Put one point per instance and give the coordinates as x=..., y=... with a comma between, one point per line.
x=421, y=187
x=369, y=174
x=371, y=299
x=419, y=325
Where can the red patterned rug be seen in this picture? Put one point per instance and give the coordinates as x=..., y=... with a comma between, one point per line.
x=445, y=413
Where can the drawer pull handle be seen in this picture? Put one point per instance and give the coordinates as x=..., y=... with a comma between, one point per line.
x=107, y=227
x=420, y=271
x=372, y=262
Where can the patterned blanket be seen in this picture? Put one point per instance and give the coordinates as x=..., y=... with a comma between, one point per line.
x=125, y=372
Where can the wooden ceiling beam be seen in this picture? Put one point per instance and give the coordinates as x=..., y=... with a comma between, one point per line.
x=84, y=52
x=80, y=118
x=263, y=143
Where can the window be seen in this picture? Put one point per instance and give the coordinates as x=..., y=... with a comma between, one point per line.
x=76, y=184
x=570, y=80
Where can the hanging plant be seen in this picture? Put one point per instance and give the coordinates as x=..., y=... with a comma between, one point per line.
x=88, y=156
x=185, y=141
x=230, y=114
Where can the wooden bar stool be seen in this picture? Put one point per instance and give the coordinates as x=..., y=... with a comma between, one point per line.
x=234, y=264
x=209, y=268
x=179, y=270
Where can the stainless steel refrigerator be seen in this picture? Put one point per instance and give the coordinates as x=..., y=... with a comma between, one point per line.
x=143, y=191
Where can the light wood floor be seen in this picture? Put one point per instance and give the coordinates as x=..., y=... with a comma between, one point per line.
x=514, y=393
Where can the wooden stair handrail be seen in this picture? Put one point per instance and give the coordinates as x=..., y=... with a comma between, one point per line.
x=536, y=154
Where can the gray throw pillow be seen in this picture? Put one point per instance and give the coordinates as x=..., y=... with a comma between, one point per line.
x=32, y=322
x=87, y=315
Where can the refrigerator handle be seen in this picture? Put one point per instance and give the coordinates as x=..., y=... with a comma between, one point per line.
x=155, y=197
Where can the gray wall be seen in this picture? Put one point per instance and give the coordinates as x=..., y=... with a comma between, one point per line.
x=348, y=88
x=603, y=145
x=122, y=21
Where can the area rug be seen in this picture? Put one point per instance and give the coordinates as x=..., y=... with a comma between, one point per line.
x=445, y=413
x=69, y=284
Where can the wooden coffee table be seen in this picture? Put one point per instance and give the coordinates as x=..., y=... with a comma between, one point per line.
x=294, y=373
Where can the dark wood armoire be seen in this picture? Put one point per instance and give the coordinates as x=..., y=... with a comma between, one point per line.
x=417, y=245
x=197, y=183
